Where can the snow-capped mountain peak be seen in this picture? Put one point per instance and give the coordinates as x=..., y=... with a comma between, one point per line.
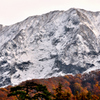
x=52, y=44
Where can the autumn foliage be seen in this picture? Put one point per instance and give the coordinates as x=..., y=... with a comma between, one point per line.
x=78, y=87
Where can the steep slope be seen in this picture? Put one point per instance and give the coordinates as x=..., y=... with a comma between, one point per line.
x=53, y=44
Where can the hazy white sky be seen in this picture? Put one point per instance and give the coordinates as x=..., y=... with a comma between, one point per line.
x=12, y=11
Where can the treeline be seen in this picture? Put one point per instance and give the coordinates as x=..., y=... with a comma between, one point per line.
x=78, y=87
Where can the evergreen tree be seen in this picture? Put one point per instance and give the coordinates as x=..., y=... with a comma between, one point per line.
x=19, y=93
x=60, y=94
x=22, y=92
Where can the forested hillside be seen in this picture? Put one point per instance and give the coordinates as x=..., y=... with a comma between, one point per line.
x=78, y=87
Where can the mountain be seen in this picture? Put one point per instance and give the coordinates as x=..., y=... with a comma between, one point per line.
x=52, y=44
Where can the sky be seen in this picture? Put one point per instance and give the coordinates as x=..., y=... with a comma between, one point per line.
x=13, y=11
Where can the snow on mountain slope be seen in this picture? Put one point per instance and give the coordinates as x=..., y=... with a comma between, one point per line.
x=53, y=44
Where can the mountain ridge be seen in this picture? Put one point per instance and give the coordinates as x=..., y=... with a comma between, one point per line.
x=53, y=44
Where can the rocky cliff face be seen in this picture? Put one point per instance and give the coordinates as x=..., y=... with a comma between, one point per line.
x=53, y=44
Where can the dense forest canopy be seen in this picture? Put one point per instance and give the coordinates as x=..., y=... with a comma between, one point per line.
x=78, y=87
